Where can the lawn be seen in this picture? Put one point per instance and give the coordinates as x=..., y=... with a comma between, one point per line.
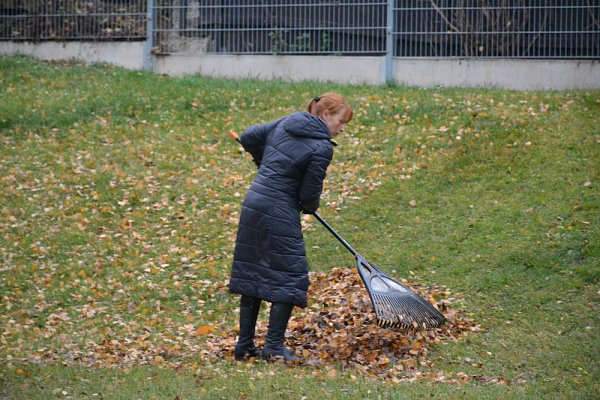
x=120, y=195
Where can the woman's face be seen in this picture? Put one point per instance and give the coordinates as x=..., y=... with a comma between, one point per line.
x=334, y=122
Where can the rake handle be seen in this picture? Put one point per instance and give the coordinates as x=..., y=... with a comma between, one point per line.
x=334, y=233
x=236, y=137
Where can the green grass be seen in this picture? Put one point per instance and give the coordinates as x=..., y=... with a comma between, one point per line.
x=120, y=195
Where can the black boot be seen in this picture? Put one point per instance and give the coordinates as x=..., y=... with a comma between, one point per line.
x=249, y=307
x=278, y=320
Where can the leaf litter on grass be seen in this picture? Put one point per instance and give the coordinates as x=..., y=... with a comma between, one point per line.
x=336, y=332
x=80, y=309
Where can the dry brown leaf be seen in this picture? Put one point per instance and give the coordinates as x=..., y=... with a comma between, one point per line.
x=205, y=330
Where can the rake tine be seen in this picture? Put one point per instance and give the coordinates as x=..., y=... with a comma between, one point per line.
x=397, y=309
x=424, y=313
x=409, y=310
x=399, y=317
x=427, y=309
x=401, y=309
x=393, y=306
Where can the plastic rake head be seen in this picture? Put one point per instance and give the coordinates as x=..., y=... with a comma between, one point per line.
x=397, y=306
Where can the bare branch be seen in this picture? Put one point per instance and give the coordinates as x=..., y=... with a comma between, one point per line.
x=441, y=13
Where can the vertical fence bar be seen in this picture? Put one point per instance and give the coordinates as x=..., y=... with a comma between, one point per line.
x=148, y=57
x=389, y=72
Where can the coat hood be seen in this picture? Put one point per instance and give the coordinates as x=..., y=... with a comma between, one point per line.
x=306, y=125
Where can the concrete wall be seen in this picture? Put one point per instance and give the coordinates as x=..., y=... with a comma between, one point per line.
x=510, y=74
x=123, y=54
x=354, y=70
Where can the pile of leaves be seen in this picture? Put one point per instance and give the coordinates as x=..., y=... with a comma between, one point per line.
x=339, y=329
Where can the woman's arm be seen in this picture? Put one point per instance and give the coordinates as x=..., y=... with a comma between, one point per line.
x=255, y=137
x=312, y=182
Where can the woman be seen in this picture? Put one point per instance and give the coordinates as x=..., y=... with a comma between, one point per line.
x=269, y=261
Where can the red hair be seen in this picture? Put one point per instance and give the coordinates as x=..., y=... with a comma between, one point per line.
x=331, y=102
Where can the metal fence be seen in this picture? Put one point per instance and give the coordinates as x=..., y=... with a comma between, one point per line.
x=272, y=27
x=400, y=28
x=36, y=20
x=497, y=28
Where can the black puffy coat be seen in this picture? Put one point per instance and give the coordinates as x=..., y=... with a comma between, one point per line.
x=269, y=260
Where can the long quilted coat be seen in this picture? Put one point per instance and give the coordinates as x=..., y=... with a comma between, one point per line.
x=269, y=260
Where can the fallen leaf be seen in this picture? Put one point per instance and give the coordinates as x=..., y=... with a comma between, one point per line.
x=205, y=330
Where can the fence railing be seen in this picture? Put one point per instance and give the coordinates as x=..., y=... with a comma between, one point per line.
x=396, y=28
x=73, y=20
x=275, y=27
x=498, y=28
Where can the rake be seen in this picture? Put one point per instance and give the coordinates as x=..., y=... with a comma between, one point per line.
x=396, y=306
